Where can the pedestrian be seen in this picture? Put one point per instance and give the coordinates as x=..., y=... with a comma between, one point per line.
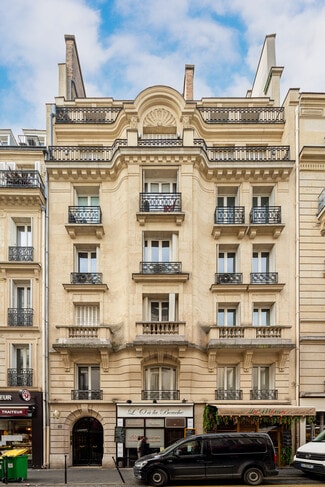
x=144, y=447
x=139, y=446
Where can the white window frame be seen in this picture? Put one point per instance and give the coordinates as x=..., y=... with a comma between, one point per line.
x=227, y=261
x=223, y=374
x=172, y=303
x=263, y=315
x=261, y=261
x=227, y=312
x=89, y=252
x=26, y=349
x=160, y=378
x=259, y=377
x=91, y=377
x=16, y=287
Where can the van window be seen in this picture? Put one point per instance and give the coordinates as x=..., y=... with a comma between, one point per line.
x=320, y=437
x=192, y=447
x=237, y=445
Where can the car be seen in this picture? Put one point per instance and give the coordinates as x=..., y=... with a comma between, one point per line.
x=247, y=456
x=310, y=457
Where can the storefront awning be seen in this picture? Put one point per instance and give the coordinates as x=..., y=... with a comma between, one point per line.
x=264, y=411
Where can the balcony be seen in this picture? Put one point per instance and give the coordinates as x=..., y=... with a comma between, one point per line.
x=19, y=180
x=160, y=333
x=102, y=115
x=21, y=254
x=229, y=220
x=162, y=395
x=20, y=377
x=85, y=220
x=264, y=278
x=84, y=153
x=86, y=278
x=260, y=115
x=160, y=207
x=230, y=395
x=160, y=272
x=82, y=395
x=263, y=394
x=228, y=278
x=246, y=153
x=265, y=220
x=20, y=316
x=279, y=338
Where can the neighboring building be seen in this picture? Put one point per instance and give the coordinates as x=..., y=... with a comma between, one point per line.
x=172, y=286
x=311, y=129
x=22, y=291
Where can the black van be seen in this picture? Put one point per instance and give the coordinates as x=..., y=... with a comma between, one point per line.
x=246, y=456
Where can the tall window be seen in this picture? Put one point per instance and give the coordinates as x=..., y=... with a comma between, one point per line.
x=263, y=377
x=261, y=262
x=87, y=261
x=160, y=382
x=226, y=317
x=261, y=200
x=160, y=308
x=227, y=262
x=24, y=235
x=227, y=378
x=261, y=316
x=87, y=315
x=157, y=250
x=228, y=201
x=88, y=200
x=160, y=187
x=88, y=382
x=159, y=311
x=20, y=373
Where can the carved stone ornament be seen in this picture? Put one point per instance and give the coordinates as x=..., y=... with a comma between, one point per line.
x=159, y=117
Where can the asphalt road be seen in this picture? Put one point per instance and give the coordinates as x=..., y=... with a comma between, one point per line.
x=96, y=476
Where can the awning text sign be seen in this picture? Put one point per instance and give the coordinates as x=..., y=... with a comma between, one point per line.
x=14, y=411
x=266, y=411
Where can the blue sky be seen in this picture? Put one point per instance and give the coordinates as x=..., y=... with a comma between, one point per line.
x=127, y=45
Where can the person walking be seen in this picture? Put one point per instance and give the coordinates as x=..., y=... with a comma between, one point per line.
x=139, y=446
x=144, y=447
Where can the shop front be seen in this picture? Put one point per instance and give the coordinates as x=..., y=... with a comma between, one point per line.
x=281, y=423
x=21, y=423
x=161, y=424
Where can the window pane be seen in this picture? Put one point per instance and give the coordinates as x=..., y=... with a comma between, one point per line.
x=82, y=201
x=265, y=317
x=230, y=379
x=93, y=262
x=256, y=317
x=230, y=262
x=83, y=378
x=154, y=311
x=165, y=188
x=83, y=262
x=165, y=251
x=164, y=312
x=221, y=317
x=231, y=317
x=95, y=378
x=154, y=251
x=94, y=201
x=264, y=378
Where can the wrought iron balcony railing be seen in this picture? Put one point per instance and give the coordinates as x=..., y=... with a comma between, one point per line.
x=21, y=178
x=84, y=153
x=20, y=377
x=228, y=278
x=85, y=214
x=262, y=215
x=263, y=394
x=21, y=254
x=264, y=278
x=160, y=267
x=86, y=114
x=242, y=114
x=86, y=278
x=162, y=202
x=169, y=395
x=232, y=395
x=88, y=395
x=20, y=316
x=228, y=215
x=158, y=142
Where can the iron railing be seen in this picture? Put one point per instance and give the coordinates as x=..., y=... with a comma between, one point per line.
x=160, y=142
x=21, y=254
x=160, y=267
x=232, y=395
x=21, y=178
x=226, y=215
x=228, y=277
x=160, y=202
x=264, y=278
x=84, y=153
x=85, y=214
x=86, y=114
x=242, y=115
x=263, y=394
x=88, y=395
x=20, y=316
x=245, y=153
x=20, y=377
x=86, y=278
x=263, y=215
x=169, y=395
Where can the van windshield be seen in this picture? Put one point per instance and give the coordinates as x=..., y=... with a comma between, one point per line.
x=320, y=437
x=171, y=447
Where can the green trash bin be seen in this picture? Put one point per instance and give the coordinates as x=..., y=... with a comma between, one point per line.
x=15, y=468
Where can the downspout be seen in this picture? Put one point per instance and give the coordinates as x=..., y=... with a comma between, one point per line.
x=45, y=335
x=302, y=433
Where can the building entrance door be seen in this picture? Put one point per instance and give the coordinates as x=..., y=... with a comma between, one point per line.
x=87, y=440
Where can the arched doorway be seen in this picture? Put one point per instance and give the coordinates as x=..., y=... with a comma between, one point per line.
x=87, y=442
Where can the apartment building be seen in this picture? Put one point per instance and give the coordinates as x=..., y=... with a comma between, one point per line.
x=173, y=301
x=22, y=291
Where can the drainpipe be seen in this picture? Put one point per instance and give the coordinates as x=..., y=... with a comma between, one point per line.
x=302, y=434
x=45, y=335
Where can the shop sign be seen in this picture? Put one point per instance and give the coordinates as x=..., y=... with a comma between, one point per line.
x=14, y=411
x=148, y=411
x=266, y=411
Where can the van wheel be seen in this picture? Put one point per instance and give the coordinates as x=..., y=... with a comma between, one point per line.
x=253, y=476
x=158, y=477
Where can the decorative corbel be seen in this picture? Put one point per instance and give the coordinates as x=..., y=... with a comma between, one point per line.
x=104, y=355
x=66, y=360
x=248, y=356
x=212, y=360
x=283, y=357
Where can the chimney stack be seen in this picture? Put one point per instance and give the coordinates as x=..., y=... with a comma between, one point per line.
x=188, y=82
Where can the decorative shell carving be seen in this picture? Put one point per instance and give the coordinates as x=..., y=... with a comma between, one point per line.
x=159, y=117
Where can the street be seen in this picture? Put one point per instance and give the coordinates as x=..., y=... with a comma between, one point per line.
x=110, y=477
